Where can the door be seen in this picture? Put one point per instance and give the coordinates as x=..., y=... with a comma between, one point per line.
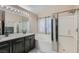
x=54, y=32
x=67, y=34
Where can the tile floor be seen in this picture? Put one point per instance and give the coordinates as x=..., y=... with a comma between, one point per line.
x=35, y=51
x=39, y=51
x=43, y=45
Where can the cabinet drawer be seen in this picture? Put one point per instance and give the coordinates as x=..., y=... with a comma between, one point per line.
x=4, y=47
x=2, y=43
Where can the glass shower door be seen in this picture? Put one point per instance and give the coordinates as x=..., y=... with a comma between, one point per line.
x=67, y=32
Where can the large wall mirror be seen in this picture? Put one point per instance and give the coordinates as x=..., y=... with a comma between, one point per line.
x=16, y=23
x=22, y=25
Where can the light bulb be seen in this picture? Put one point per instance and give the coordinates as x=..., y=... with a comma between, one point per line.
x=7, y=7
x=11, y=9
x=2, y=6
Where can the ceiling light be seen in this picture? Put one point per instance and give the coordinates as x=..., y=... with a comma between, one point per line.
x=14, y=11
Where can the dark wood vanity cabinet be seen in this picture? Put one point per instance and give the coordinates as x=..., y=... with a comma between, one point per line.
x=18, y=45
x=24, y=44
x=4, y=47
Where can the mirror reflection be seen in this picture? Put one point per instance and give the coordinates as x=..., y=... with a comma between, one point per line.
x=13, y=26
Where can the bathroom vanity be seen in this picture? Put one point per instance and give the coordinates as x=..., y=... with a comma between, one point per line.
x=17, y=43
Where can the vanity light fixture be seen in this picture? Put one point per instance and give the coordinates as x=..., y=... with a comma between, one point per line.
x=18, y=10
x=13, y=10
x=2, y=6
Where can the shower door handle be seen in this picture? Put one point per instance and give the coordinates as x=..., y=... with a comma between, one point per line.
x=52, y=37
x=56, y=29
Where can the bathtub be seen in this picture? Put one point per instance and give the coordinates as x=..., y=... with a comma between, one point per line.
x=44, y=43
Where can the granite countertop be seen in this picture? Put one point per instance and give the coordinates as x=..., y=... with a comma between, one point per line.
x=13, y=36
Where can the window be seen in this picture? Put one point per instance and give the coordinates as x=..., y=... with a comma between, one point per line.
x=41, y=25
x=44, y=25
x=48, y=25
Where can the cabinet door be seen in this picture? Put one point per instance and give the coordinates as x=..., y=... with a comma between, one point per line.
x=18, y=45
x=32, y=41
x=27, y=44
x=4, y=47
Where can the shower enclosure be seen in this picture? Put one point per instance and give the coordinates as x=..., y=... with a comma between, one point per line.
x=66, y=31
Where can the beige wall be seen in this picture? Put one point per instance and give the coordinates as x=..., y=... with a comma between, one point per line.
x=33, y=23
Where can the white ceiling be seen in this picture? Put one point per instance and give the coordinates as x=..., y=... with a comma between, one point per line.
x=42, y=10
x=35, y=8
